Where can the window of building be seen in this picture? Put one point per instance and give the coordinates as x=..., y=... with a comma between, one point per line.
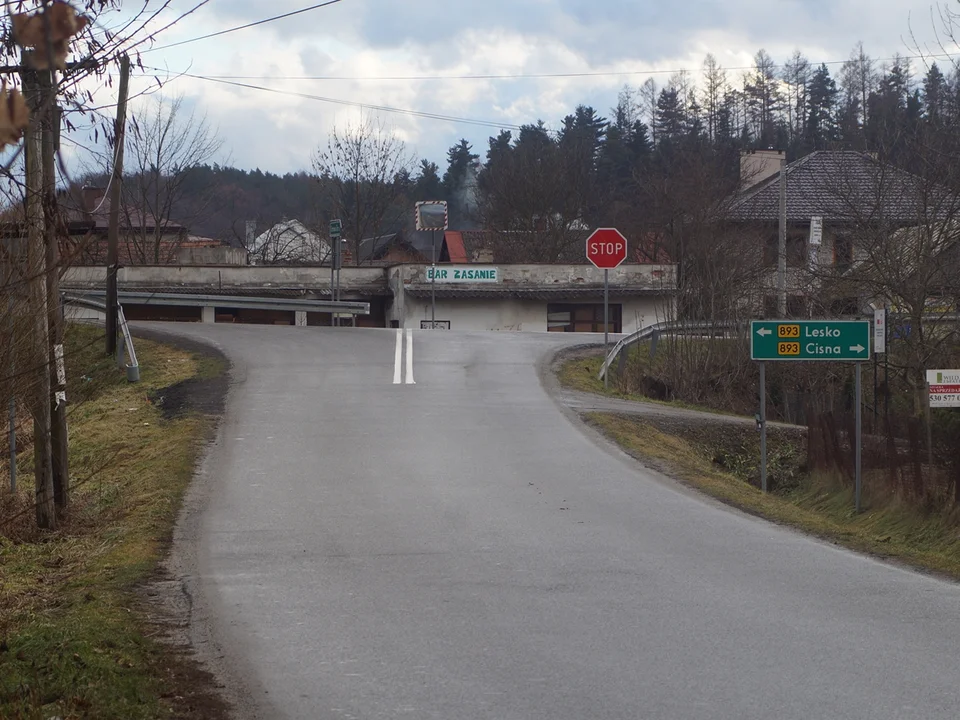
x=796, y=306
x=796, y=249
x=771, y=250
x=770, y=306
x=583, y=318
x=844, y=306
x=842, y=252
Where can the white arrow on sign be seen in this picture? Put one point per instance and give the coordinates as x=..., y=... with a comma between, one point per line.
x=763, y=332
x=857, y=348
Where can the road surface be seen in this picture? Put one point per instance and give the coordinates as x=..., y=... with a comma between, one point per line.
x=441, y=540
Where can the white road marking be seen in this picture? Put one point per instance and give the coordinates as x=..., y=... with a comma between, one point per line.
x=410, y=357
x=398, y=358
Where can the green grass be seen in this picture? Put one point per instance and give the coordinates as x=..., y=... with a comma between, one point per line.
x=927, y=538
x=71, y=639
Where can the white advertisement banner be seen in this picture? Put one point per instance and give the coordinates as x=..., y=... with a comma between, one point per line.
x=944, y=388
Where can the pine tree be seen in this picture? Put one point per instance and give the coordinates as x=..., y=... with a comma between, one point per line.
x=821, y=125
x=428, y=185
x=459, y=159
x=935, y=96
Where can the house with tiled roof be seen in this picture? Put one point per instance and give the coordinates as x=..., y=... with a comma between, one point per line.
x=143, y=239
x=837, y=205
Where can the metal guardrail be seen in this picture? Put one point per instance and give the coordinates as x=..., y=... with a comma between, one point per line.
x=132, y=366
x=672, y=327
x=232, y=301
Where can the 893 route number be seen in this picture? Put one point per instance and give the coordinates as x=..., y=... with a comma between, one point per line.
x=788, y=331
x=788, y=348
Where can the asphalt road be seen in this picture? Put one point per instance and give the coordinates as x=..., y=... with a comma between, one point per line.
x=461, y=548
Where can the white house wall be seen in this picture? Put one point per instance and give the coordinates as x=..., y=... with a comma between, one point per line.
x=518, y=315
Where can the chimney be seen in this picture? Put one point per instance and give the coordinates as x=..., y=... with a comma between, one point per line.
x=92, y=197
x=251, y=234
x=758, y=165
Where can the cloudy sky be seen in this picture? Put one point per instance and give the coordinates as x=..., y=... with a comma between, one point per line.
x=418, y=55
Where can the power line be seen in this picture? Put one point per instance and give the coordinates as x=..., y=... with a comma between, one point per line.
x=336, y=101
x=542, y=76
x=244, y=27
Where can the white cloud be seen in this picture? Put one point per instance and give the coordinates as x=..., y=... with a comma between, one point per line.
x=385, y=38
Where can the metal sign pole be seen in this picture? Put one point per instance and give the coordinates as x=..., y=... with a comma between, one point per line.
x=858, y=439
x=606, y=324
x=433, y=283
x=763, y=426
x=339, y=263
x=13, y=400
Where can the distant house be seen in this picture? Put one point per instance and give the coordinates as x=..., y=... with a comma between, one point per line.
x=143, y=239
x=403, y=247
x=289, y=243
x=855, y=200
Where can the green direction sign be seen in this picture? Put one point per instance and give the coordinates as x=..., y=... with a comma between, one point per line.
x=834, y=340
x=335, y=229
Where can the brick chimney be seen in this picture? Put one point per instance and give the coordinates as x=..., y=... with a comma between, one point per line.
x=92, y=197
x=758, y=165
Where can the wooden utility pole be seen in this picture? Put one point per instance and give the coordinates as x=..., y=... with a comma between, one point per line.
x=38, y=308
x=50, y=122
x=113, y=231
x=782, y=242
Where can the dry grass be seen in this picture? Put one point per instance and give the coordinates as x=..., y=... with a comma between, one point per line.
x=70, y=645
x=821, y=505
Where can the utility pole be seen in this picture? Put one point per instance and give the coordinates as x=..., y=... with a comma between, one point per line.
x=113, y=231
x=50, y=124
x=37, y=271
x=782, y=243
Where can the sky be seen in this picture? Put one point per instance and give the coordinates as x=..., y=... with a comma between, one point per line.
x=390, y=54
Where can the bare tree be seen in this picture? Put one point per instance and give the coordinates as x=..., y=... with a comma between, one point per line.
x=164, y=147
x=895, y=241
x=358, y=170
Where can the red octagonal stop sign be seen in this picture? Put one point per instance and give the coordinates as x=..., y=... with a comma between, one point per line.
x=606, y=248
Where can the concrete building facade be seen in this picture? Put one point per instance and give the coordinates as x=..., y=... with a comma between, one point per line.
x=504, y=298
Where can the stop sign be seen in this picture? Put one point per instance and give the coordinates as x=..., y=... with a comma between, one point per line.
x=606, y=248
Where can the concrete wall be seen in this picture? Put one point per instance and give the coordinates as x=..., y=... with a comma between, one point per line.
x=212, y=256
x=642, y=276
x=491, y=313
x=212, y=277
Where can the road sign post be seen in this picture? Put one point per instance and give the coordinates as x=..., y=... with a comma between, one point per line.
x=763, y=426
x=606, y=249
x=811, y=341
x=336, y=230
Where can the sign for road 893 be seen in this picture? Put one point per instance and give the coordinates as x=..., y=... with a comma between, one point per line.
x=810, y=340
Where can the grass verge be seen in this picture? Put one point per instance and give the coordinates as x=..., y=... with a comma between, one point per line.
x=927, y=538
x=580, y=372
x=74, y=642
